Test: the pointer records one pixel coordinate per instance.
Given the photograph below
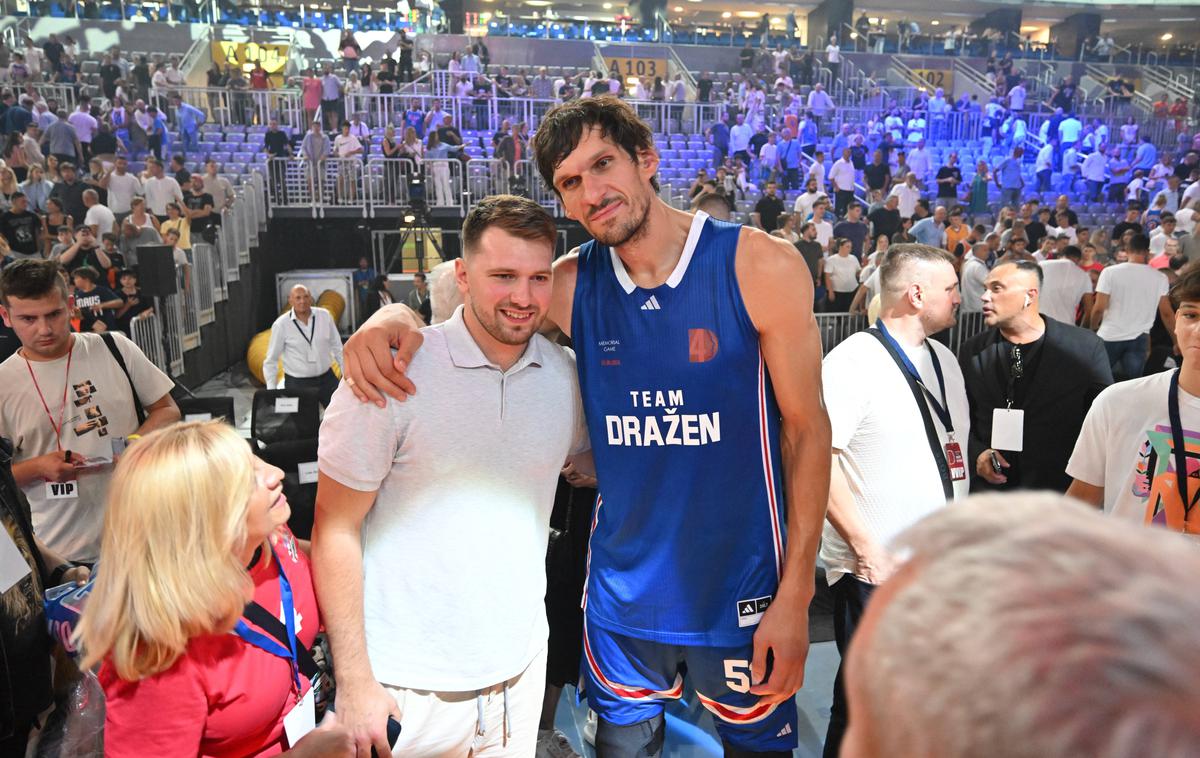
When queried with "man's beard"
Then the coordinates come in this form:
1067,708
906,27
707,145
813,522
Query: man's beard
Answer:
627,232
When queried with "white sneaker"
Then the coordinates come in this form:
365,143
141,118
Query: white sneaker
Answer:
552,743
589,728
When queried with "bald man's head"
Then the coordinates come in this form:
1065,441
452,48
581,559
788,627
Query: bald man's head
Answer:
301,300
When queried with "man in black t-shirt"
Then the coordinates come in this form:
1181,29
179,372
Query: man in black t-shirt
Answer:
97,304
767,209
276,141
180,172
200,210
878,174
704,87
810,250
886,220
949,177
1133,213
109,74
1035,230
21,228
853,229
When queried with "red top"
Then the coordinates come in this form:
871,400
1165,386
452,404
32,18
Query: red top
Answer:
223,697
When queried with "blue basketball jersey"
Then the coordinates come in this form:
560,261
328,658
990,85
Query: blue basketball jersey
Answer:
687,540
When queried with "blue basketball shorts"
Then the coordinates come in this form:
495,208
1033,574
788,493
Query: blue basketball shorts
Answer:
628,680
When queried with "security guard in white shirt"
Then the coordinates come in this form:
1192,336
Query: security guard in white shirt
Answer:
308,341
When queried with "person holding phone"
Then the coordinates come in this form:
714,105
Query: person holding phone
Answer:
204,613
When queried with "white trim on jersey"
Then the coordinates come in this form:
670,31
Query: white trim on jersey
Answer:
769,468
689,248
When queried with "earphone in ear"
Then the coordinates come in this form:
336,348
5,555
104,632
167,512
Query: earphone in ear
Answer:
1028,300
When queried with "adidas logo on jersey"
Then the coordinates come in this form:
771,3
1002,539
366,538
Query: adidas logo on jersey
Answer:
785,731
651,304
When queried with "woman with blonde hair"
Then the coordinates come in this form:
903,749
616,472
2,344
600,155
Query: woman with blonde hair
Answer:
8,187
36,188
411,147
195,543
180,223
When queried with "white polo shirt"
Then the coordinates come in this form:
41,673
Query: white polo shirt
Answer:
454,548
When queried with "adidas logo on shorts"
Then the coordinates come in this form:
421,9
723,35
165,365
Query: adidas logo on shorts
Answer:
785,731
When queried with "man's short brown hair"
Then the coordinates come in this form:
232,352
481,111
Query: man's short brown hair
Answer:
564,126
30,279
1186,288
519,216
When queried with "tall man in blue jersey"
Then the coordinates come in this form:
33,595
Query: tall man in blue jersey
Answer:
699,361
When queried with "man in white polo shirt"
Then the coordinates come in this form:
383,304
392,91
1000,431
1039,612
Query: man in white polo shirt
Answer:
433,514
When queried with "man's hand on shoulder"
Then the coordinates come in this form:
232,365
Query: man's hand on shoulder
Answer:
370,369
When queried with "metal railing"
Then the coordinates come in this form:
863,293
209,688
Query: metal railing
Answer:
189,305
390,184
226,107
146,331
204,284
172,327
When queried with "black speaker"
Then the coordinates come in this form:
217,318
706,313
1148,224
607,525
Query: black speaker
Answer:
156,270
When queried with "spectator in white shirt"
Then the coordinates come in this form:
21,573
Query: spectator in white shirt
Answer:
833,57
841,176
1171,193
817,169
806,200
99,217
1167,229
918,163
908,194
1128,295
1068,130
306,339
1066,287
819,103
1043,165
122,187
1017,97
973,277
85,125
824,228
1095,171
739,139
160,189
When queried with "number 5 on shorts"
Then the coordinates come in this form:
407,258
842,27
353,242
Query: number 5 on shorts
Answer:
737,675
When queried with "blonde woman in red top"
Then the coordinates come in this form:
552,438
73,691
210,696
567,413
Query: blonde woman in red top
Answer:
196,531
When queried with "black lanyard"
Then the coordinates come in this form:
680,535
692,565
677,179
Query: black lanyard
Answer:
311,332
931,436
942,409
1179,450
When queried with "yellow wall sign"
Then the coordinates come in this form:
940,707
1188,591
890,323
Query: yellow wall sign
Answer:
651,67
937,77
246,54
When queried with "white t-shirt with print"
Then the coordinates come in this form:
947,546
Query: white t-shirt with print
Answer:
99,408
885,454
1125,447
1134,291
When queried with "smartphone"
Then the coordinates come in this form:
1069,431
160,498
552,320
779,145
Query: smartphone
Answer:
996,463
393,734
